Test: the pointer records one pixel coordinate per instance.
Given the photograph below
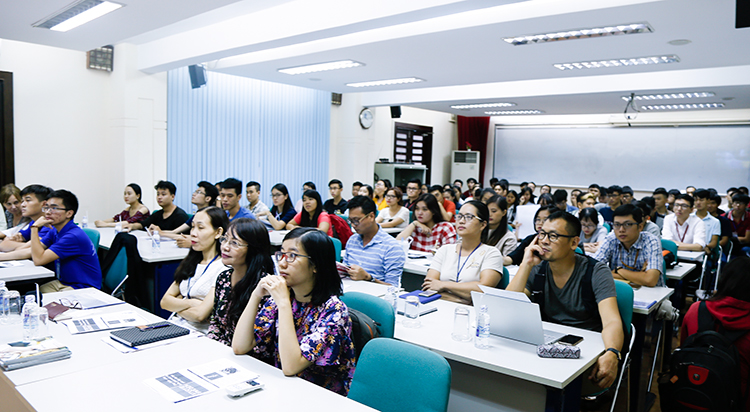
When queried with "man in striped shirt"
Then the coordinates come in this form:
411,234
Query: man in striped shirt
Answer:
372,255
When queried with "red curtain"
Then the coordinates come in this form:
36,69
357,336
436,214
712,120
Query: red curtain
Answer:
472,135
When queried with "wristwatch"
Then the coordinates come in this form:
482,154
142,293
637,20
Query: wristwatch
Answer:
617,270
616,352
372,279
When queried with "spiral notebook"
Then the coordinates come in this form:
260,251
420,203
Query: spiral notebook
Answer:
155,332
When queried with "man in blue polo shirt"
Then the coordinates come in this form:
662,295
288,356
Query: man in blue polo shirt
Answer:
372,255
76,262
230,194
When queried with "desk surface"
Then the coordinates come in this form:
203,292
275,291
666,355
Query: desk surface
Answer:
690,256
277,236
680,271
27,271
48,386
167,252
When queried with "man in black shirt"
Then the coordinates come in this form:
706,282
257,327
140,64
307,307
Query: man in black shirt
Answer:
336,204
170,217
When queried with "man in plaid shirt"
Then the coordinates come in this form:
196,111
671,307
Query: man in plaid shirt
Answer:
632,255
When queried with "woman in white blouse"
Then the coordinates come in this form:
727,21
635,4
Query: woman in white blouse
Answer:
191,295
460,268
395,215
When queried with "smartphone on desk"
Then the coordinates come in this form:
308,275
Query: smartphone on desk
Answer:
571,340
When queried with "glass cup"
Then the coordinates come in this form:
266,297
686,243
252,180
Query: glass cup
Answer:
411,312
461,325
15,305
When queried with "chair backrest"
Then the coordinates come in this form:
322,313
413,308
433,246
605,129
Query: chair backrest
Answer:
94,236
625,303
505,280
580,251
607,226
417,379
411,216
117,274
511,228
337,246
670,246
378,309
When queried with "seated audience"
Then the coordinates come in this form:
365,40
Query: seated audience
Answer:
366,190
336,204
627,195
371,254
355,188
190,298
739,218
561,201
424,189
545,189
594,190
585,200
471,183
255,205
412,193
592,234
603,200
561,292
394,215
305,187
649,226
690,190
170,217
66,243
660,206
512,199
726,226
713,226
485,195
379,194
312,214
282,210
10,198
136,211
483,264
16,246
671,196
500,189
630,253
685,229
526,197
303,328
545,199
230,194
539,217
203,197
614,200
498,234
429,230
244,249
447,208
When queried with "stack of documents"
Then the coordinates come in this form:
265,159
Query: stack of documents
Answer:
19,355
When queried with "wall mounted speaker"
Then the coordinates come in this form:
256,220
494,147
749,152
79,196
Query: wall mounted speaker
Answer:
395,112
197,75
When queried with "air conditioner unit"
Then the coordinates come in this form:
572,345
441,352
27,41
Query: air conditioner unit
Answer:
465,164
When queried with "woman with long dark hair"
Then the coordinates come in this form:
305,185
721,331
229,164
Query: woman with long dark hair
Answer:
379,196
282,211
499,235
429,230
190,298
512,199
244,249
136,212
592,234
303,328
312,214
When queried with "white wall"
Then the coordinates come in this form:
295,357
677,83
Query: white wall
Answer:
355,150
87,131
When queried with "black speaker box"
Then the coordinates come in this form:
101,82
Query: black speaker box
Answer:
197,75
395,112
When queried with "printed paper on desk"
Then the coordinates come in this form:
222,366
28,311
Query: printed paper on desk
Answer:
525,216
104,322
200,380
10,264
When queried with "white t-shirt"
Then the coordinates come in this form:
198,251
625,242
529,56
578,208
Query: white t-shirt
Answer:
197,287
692,231
446,261
403,213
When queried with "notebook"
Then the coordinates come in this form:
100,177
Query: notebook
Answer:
155,332
422,299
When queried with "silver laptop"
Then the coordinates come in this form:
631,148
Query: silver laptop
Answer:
514,316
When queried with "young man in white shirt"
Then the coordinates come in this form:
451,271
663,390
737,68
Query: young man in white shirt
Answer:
713,226
255,206
660,206
684,228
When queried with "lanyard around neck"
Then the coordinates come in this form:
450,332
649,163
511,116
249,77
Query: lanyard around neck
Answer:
459,270
202,273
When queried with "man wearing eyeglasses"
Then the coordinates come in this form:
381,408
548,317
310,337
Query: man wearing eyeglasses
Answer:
686,230
630,253
204,196
572,290
372,255
76,262
412,193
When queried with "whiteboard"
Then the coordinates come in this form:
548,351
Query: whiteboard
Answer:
643,158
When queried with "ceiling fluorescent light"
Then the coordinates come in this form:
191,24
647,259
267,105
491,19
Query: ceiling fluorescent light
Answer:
689,95
513,112
638,61
321,67
481,105
76,14
688,106
580,34
404,80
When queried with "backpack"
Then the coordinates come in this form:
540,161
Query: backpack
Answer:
704,373
669,259
364,329
341,229
587,292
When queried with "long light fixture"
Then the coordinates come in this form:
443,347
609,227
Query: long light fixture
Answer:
481,105
632,28
321,67
668,96
687,106
513,112
76,14
404,80
637,61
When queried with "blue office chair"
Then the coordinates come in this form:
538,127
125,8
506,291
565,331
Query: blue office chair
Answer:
607,226
511,228
337,246
670,246
505,280
417,379
94,236
114,279
411,216
378,309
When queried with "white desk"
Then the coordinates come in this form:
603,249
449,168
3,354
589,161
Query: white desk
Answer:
647,294
393,230
97,377
690,256
167,252
27,271
277,236
418,266
680,271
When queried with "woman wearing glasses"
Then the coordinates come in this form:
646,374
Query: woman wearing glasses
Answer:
458,269
282,211
303,327
429,230
190,298
245,250
312,214
591,233
395,215
136,212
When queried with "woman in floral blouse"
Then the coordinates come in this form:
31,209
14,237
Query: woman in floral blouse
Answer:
303,327
245,249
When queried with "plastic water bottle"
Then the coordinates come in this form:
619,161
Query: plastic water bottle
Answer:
85,221
156,242
30,319
390,297
4,303
482,340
